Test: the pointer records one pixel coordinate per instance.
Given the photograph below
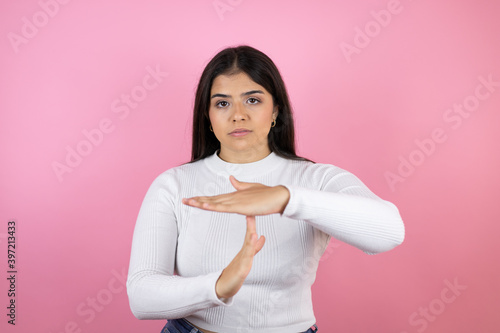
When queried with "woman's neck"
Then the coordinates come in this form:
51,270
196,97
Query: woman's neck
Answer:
240,157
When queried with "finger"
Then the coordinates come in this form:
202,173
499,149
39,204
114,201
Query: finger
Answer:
190,201
260,244
248,249
236,183
205,202
250,237
255,242
221,198
211,205
239,185
194,202
251,225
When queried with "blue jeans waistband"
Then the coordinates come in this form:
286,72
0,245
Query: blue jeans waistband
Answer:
183,326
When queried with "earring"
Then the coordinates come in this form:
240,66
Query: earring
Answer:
211,129
274,123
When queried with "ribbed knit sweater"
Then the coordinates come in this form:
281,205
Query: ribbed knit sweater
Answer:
178,252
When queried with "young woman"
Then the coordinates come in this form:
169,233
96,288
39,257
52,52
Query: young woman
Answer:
197,259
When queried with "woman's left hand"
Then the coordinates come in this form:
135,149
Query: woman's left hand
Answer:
250,199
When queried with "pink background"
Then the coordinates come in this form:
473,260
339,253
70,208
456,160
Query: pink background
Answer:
364,92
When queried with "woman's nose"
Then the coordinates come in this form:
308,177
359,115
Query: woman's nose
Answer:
239,112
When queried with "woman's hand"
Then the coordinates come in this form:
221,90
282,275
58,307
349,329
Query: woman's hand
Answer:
250,199
233,276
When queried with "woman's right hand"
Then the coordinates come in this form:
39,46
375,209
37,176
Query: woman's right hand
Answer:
233,276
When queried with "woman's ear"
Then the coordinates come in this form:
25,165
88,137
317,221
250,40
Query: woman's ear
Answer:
275,112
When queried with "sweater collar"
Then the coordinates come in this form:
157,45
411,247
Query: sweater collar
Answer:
243,170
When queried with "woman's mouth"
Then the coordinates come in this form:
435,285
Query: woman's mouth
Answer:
239,132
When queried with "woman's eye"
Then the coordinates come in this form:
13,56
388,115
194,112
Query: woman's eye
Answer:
221,104
253,100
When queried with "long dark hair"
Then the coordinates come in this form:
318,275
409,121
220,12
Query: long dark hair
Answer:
263,71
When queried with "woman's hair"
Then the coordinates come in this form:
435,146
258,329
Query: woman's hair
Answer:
261,69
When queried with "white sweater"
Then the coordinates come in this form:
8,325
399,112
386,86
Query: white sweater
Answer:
178,252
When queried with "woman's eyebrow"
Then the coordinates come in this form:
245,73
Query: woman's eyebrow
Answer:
251,92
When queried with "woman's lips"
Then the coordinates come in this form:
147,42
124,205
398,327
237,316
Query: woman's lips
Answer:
240,132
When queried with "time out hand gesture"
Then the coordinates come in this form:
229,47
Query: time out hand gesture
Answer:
233,276
249,199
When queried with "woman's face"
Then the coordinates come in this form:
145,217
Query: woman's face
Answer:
241,113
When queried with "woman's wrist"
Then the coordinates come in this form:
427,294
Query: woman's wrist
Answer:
286,197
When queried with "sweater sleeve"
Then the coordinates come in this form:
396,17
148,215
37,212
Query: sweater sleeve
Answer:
154,291
344,208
